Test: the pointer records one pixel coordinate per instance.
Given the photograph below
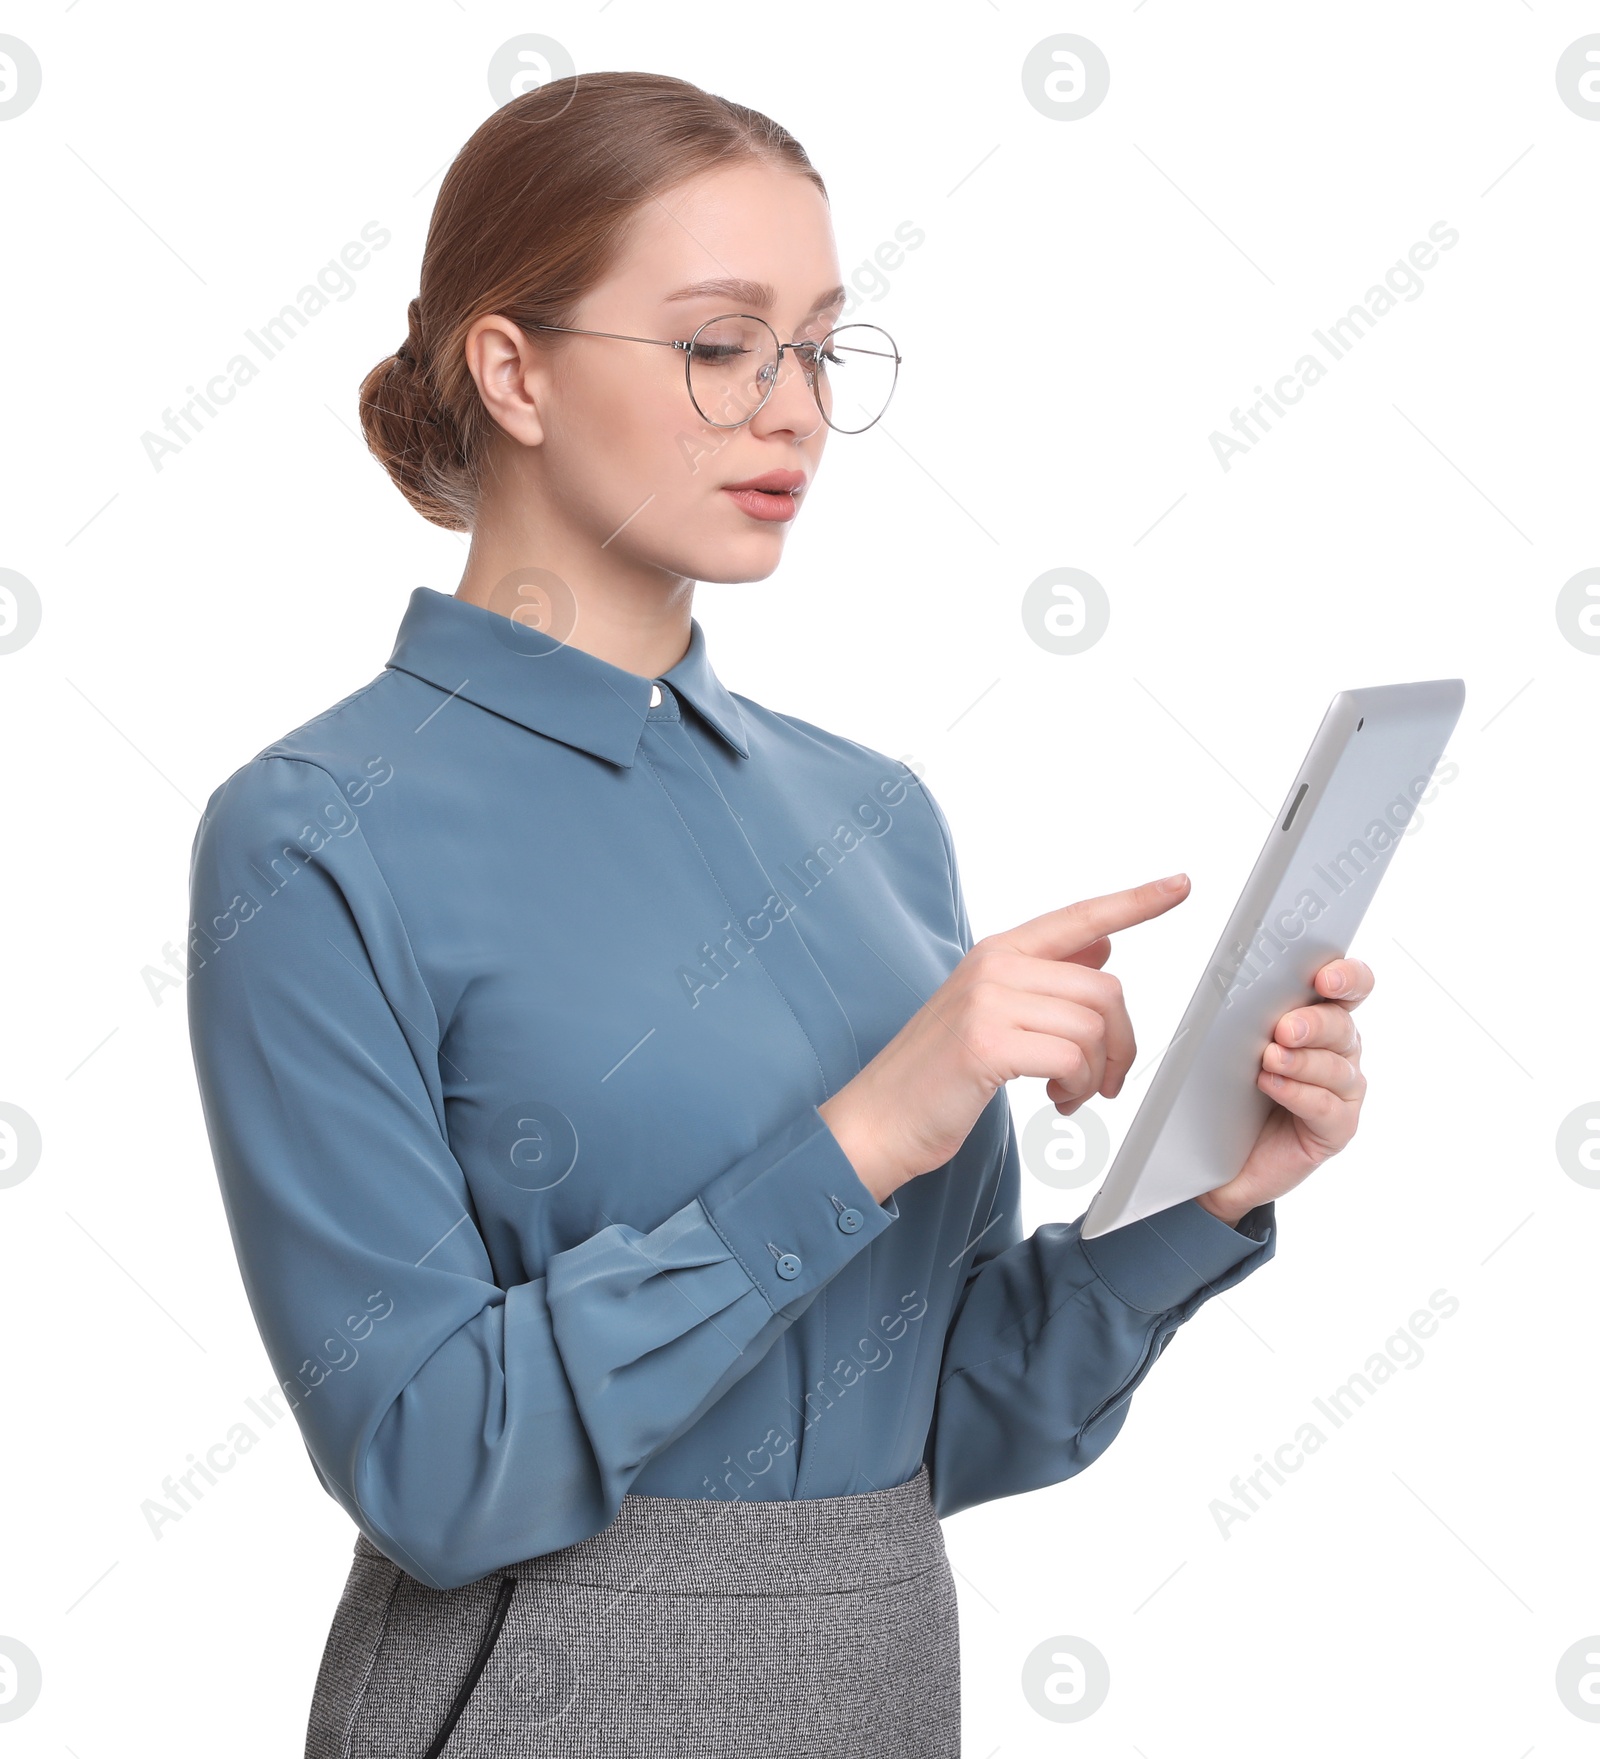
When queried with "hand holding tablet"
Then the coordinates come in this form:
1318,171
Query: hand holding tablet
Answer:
1033,1000
1312,1068
1208,1123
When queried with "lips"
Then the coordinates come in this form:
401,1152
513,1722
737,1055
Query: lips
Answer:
772,498
773,482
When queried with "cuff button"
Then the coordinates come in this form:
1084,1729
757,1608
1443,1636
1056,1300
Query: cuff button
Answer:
788,1267
849,1220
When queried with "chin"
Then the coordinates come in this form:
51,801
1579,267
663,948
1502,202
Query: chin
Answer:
724,564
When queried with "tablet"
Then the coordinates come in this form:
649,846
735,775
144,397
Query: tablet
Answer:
1329,845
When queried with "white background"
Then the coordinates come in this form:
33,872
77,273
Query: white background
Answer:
1092,299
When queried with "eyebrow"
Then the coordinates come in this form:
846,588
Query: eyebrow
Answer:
757,296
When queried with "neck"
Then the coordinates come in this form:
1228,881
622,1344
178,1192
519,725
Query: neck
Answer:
627,612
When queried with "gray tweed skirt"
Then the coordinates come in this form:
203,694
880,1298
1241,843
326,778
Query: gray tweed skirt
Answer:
719,1629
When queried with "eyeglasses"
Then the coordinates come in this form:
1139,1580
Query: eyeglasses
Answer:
731,366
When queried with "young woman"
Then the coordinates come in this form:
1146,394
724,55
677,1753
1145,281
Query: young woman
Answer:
607,1093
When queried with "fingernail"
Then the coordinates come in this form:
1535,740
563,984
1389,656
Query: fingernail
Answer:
1174,882
1298,1030
1335,981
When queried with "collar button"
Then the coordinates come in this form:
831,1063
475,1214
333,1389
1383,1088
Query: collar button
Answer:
655,696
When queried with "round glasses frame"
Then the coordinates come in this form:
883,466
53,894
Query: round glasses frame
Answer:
809,355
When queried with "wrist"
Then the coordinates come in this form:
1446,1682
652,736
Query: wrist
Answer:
872,1168
1231,1213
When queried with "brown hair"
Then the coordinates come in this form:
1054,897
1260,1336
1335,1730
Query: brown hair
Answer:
529,218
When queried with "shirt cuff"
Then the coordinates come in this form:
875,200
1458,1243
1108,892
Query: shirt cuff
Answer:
794,1211
1168,1258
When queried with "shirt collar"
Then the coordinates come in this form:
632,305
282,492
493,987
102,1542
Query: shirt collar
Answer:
547,685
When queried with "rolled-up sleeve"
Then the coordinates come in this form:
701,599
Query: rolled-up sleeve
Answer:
463,1425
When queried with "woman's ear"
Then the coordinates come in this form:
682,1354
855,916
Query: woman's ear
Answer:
511,377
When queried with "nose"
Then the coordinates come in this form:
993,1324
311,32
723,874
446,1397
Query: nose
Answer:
792,405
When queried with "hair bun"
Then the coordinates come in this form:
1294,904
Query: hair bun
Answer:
410,432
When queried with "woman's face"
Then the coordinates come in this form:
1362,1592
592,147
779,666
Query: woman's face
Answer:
612,446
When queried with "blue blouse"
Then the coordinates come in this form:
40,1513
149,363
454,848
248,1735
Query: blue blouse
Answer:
516,982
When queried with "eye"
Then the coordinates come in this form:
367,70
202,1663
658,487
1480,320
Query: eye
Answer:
716,353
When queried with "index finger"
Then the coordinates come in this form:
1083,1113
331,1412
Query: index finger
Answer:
1345,980
1058,934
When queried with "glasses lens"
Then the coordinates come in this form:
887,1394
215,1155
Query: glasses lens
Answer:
856,369
732,363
